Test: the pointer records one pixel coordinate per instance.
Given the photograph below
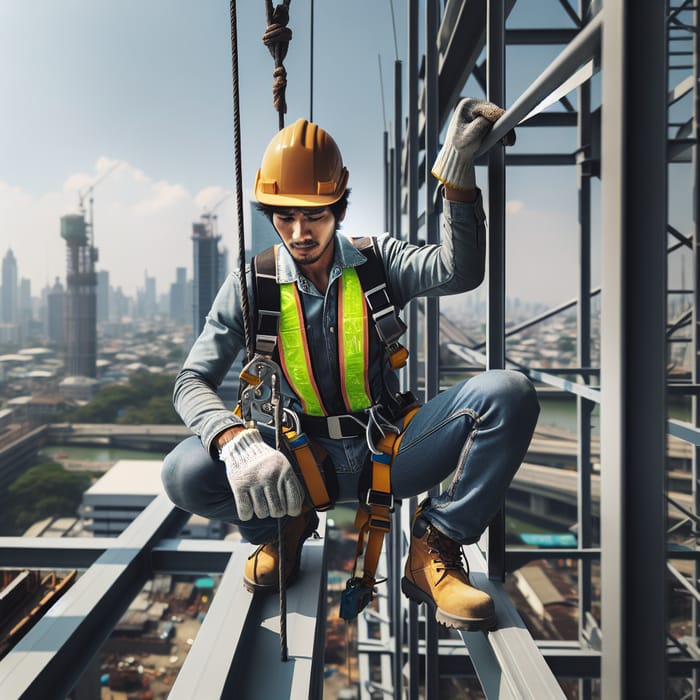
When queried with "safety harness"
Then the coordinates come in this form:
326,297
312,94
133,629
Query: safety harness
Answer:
280,337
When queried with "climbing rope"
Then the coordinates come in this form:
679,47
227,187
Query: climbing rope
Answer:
245,304
277,37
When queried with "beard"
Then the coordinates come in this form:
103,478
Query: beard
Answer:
312,258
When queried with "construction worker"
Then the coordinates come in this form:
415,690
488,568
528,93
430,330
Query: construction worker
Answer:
345,392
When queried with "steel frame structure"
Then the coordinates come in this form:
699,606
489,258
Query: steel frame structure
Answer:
236,652
629,68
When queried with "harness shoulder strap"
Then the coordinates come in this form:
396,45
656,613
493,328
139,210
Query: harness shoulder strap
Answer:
385,315
267,301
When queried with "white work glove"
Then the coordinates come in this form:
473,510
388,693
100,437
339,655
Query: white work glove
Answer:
261,478
471,121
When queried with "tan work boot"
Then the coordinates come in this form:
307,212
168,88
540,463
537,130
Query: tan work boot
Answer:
435,575
260,572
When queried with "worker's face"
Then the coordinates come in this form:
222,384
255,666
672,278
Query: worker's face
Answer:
307,233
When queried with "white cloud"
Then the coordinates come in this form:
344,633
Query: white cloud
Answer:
140,225
514,206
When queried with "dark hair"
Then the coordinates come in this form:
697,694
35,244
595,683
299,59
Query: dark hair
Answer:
337,208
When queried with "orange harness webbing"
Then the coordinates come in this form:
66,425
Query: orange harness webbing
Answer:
373,521
310,467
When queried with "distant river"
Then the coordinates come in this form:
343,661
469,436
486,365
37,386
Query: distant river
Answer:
561,413
96,454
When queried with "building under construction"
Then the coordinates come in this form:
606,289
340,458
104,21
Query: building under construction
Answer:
624,85
80,301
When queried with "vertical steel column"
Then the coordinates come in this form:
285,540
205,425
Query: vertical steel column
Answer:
432,232
584,407
395,554
633,415
496,323
398,118
695,338
387,176
412,185
431,306
392,194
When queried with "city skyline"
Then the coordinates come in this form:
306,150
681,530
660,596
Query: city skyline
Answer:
148,89
142,111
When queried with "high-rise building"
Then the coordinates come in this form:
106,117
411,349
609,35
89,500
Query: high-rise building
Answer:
25,316
103,295
9,288
119,303
81,298
150,304
262,232
180,305
207,270
55,322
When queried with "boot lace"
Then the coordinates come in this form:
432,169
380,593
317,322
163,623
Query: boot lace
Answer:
449,553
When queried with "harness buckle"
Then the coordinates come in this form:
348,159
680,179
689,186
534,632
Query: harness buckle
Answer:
380,498
335,428
398,355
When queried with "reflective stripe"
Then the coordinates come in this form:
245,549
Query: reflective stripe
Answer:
294,352
353,347
353,342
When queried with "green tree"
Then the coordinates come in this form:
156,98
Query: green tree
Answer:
44,490
157,410
147,398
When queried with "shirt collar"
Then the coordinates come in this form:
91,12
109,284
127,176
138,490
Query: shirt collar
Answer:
345,255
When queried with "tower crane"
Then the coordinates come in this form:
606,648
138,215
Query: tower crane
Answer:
82,194
209,217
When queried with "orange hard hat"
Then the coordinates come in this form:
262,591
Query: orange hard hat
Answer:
301,166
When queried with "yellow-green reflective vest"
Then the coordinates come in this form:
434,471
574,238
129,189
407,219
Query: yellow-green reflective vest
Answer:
353,347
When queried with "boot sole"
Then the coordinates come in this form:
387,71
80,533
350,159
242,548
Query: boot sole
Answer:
474,624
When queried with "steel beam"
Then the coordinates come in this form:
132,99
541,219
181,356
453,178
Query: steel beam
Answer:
208,663
48,661
52,553
256,670
507,661
582,49
460,40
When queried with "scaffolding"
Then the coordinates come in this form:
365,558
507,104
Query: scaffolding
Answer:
622,70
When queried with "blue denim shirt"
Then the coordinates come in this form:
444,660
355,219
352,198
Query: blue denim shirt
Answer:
454,265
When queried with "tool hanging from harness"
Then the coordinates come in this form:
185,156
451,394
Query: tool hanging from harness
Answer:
373,521
280,333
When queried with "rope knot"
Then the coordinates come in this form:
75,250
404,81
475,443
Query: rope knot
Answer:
279,86
277,37
277,34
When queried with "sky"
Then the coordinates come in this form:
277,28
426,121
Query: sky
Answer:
143,91
134,100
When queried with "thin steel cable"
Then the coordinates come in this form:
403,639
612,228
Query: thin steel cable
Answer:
245,304
281,567
283,591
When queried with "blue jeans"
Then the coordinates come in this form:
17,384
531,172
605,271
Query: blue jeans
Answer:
477,430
